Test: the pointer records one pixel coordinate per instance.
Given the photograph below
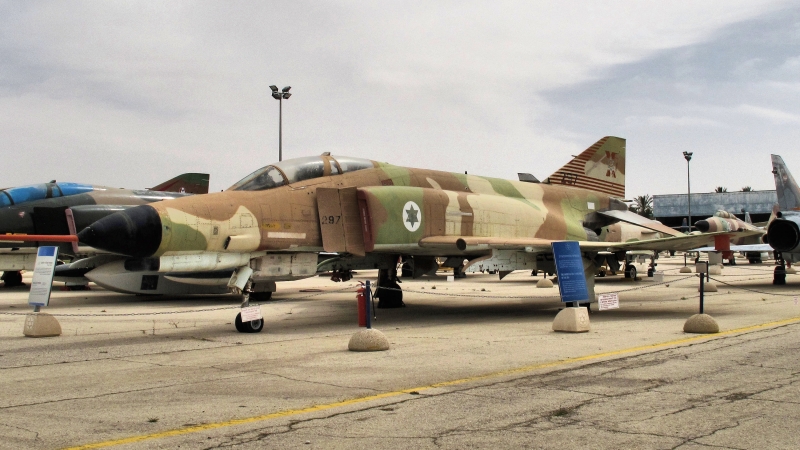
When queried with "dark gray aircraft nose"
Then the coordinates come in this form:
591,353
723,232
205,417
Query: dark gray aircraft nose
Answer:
133,232
702,226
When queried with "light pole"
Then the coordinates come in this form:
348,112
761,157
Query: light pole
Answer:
688,156
279,96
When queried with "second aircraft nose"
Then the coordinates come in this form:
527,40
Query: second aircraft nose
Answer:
133,232
702,225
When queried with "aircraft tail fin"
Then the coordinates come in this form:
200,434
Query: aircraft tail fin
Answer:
190,183
599,168
785,186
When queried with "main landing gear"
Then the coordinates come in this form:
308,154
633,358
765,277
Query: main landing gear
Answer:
253,326
12,279
630,271
389,293
779,278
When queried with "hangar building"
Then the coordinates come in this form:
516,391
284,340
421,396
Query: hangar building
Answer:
671,209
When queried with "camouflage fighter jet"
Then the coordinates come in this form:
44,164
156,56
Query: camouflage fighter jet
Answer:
274,224
752,245
55,208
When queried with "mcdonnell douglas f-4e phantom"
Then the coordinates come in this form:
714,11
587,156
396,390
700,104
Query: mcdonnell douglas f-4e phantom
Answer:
273,224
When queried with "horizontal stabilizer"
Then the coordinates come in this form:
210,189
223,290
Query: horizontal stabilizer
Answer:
635,219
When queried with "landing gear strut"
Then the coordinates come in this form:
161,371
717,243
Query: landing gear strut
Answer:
253,326
389,293
779,277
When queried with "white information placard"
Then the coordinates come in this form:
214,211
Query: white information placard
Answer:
251,313
43,271
608,301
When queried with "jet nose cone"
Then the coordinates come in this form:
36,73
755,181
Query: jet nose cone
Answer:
133,232
702,225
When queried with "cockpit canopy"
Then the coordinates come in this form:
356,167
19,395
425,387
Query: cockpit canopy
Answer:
299,169
23,194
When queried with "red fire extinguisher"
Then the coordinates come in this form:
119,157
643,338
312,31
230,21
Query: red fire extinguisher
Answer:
362,306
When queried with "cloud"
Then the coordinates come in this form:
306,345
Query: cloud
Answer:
139,91
769,113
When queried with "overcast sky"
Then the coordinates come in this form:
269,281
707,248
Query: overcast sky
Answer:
129,94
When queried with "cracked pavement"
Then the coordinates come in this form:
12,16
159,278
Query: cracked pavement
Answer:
114,378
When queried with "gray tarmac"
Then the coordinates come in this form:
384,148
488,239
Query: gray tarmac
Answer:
473,364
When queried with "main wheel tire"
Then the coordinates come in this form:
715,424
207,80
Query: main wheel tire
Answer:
254,326
630,272
12,279
391,297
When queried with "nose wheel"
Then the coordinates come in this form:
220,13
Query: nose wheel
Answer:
254,326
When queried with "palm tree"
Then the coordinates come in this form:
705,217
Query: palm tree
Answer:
643,206
720,189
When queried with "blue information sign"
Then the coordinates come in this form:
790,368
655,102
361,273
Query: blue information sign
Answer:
569,268
42,283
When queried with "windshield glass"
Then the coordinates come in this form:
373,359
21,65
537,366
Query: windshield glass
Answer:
349,164
264,178
299,169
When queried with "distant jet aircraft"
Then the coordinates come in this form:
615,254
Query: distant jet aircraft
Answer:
53,208
752,245
783,233
273,224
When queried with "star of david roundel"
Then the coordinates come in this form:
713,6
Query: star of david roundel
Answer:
412,216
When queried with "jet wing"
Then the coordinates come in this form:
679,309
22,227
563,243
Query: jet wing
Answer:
471,244
740,248
635,219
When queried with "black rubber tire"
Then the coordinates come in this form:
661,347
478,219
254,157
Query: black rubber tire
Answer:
390,298
630,272
254,326
12,279
650,272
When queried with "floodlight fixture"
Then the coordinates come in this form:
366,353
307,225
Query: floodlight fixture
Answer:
280,96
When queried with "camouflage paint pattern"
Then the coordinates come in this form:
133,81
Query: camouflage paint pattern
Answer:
785,186
402,206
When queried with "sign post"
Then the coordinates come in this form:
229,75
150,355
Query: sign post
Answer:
569,269
572,287
39,324
701,323
43,272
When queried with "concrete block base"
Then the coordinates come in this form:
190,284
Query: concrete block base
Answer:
701,324
708,286
544,283
686,269
572,320
41,325
368,340
791,270
714,270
